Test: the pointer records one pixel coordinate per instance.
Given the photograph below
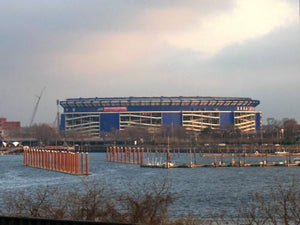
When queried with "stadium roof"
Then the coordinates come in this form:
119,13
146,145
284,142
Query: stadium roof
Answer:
155,101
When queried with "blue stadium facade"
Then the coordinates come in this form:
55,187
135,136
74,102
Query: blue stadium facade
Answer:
94,115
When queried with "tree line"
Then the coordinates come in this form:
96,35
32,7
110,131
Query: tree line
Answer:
285,131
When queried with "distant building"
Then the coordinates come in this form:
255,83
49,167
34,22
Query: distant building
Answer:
9,127
93,115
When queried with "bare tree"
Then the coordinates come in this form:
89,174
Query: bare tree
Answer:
44,133
148,204
280,206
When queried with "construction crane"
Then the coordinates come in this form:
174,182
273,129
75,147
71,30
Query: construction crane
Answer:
36,106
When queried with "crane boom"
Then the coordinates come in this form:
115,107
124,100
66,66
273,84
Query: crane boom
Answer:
36,107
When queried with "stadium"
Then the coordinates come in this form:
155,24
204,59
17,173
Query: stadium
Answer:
96,115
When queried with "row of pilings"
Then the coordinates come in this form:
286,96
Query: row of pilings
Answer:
125,155
60,161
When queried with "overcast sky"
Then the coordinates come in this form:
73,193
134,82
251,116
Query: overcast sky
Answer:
114,48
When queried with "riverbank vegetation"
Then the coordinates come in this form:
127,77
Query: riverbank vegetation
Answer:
148,205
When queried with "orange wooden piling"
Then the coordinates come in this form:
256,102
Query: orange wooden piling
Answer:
71,163
111,154
50,160
82,163
142,157
39,158
74,163
33,158
61,161
138,156
36,158
65,161
26,157
29,156
58,161
87,163
77,169
118,152
45,159
55,161
129,156
42,159
134,152
122,158
114,154
125,154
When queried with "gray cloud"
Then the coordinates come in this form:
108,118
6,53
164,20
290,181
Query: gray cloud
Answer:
36,35
277,49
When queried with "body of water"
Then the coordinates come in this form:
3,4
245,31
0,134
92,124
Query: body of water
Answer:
201,191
